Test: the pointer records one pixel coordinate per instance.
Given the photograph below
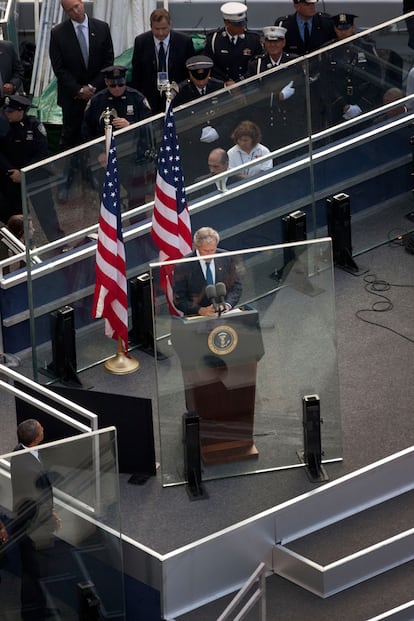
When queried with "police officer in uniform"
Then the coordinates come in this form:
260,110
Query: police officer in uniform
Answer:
199,81
232,46
25,143
281,108
351,75
204,125
126,106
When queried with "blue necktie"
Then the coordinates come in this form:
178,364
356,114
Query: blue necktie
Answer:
162,65
82,43
209,275
306,36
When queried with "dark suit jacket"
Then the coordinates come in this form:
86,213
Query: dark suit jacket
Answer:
10,66
190,284
32,499
67,60
145,68
322,33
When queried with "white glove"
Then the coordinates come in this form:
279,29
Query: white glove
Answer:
352,112
288,90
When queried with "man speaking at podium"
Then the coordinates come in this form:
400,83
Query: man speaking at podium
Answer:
206,287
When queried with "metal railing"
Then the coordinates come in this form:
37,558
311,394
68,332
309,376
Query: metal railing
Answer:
257,581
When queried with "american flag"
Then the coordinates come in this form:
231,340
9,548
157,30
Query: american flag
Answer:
110,299
171,226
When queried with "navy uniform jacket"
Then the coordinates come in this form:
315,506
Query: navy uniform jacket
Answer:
188,91
11,68
131,105
230,61
281,121
25,143
321,34
67,60
190,284
264,63
351,74
145,65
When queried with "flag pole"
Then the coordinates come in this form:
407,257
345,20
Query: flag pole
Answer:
121,363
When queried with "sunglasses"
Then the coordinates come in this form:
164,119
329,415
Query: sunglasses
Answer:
117,82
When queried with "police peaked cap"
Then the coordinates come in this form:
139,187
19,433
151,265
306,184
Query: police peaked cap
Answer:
343,21
194,63
17,102
114,71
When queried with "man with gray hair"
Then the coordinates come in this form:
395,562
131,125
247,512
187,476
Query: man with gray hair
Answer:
191,279
80,47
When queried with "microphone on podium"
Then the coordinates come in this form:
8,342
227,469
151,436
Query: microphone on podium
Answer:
220,295
212,296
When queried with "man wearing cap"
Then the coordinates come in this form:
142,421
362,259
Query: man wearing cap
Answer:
351,74
126,106
11,70
25,143
280,109
80,48
307,30
232,46
199,82
159,56
205,127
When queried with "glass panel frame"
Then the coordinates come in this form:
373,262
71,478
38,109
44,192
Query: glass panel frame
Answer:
78,551
245,373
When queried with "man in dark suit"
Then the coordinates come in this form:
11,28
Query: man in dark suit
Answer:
307,30
11,70
34,519
79,49
159,56
191,279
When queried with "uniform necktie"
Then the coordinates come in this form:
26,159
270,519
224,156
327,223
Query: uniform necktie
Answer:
233,40
209,275
82,44
306,36
203,91
161,58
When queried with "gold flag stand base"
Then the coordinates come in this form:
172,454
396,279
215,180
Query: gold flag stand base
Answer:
121,364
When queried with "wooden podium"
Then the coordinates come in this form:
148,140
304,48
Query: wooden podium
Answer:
219,357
